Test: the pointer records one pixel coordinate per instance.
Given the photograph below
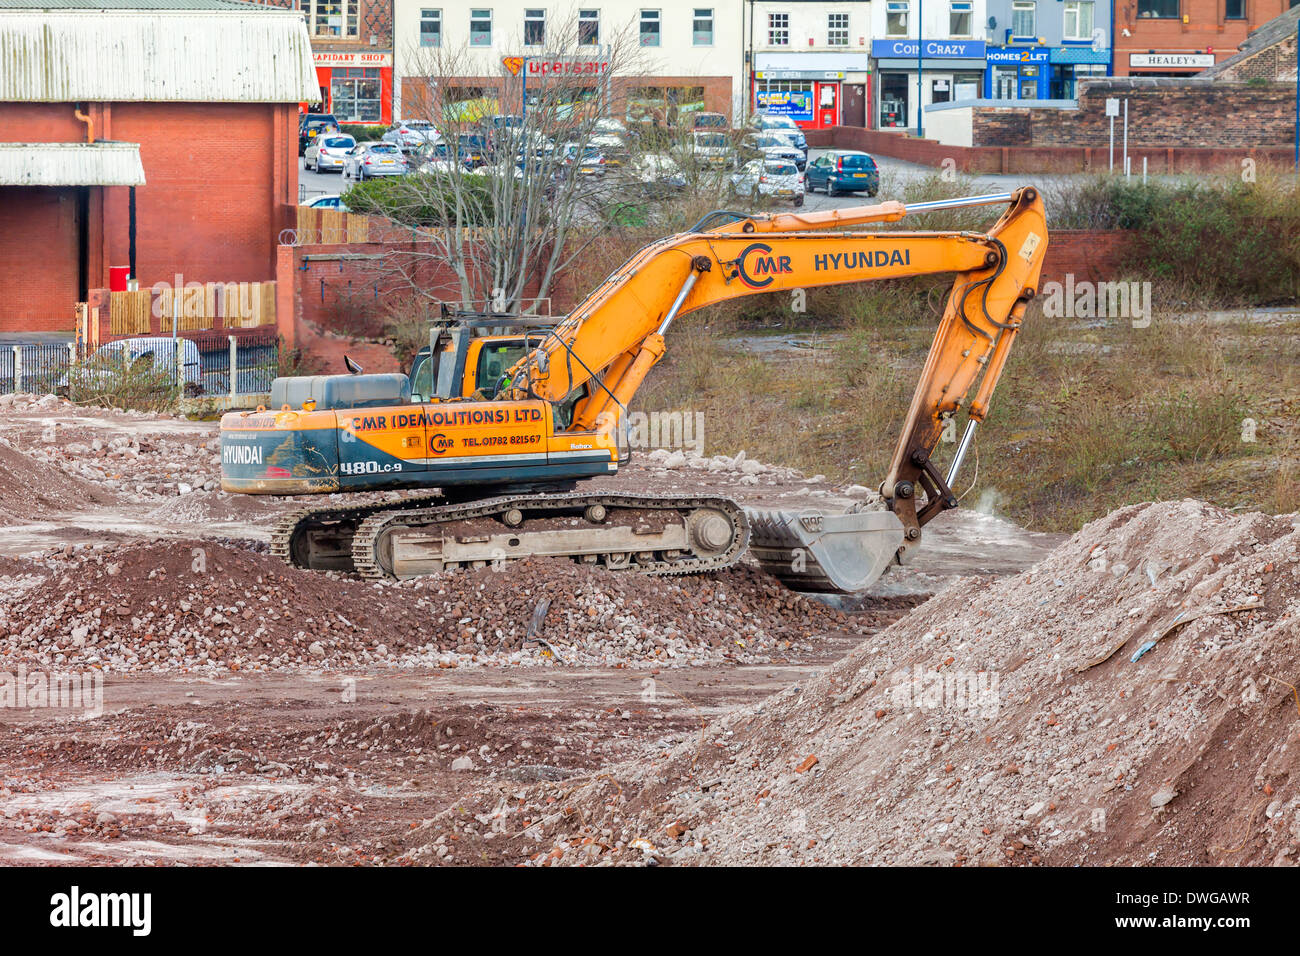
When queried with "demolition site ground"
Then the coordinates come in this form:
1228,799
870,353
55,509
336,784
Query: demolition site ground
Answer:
1124,695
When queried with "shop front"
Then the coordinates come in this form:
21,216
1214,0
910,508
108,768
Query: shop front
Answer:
1072,64
816,90
951,70
356,87
1171,63
1017,73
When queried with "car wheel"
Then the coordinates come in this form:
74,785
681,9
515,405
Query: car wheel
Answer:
798,201
830,189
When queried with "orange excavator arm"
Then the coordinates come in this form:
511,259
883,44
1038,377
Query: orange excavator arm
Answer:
616,334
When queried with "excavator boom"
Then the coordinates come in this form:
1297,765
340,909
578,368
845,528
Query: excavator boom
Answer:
500,453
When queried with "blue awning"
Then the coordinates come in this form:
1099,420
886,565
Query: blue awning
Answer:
1079,54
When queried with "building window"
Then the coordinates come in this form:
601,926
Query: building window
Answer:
430,28
333,18
837,29
1235,9
355,95
1022,19
480,28
702,27
778,29
1078,19
896,18
534,27
649,27
1158,8
588,28
959,17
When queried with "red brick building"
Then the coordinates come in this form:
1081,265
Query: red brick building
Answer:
1183,37
154,134
352,50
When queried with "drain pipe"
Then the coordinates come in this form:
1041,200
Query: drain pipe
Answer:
90,124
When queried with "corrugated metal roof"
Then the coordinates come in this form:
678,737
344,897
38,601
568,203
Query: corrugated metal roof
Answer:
246,53
70,164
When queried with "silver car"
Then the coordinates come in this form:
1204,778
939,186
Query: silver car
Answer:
327,151
369,160
408,135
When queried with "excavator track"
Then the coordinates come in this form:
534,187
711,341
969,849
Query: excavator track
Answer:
320,539
652,535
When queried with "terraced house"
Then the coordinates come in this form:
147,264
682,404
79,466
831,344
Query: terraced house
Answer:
659,60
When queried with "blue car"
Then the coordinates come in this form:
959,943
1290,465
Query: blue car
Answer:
843,171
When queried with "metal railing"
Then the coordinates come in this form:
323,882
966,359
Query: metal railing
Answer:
212,364
35,368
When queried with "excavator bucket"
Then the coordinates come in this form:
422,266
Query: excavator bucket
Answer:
809,551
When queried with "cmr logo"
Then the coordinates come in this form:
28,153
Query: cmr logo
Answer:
440,443
756,265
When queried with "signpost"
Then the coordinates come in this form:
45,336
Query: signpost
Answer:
1112,110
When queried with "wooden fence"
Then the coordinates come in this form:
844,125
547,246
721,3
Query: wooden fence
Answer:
229,305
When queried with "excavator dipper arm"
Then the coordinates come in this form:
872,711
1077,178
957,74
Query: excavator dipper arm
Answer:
617,333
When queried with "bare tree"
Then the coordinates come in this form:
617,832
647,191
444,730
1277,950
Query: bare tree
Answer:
527,163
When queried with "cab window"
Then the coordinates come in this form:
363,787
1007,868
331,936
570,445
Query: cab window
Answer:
493,362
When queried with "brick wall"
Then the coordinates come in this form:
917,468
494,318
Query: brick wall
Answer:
1274,62
1206,29
217,179
1087,254
38,257
1035,161
1161,112
350,288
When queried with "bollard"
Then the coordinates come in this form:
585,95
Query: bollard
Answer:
18,369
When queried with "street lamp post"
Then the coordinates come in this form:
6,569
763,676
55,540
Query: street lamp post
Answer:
920,85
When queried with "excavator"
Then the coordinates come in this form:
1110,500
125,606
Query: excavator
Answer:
503,415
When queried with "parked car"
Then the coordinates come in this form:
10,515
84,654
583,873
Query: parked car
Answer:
328,202
777,178
586,160
156,353
771,146
610,137
657,173
710,121
843,170
327,151
770,122
311,125
368,160
408,135
711,148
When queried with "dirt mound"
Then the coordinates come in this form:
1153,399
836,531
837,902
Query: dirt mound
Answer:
1128,700
203,604
28,488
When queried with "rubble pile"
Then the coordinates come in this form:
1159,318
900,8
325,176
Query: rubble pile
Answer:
199,604
1128,700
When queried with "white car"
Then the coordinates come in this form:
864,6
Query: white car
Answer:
328,202
158,353
657,172
328,151
411,134
368,160
777,178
